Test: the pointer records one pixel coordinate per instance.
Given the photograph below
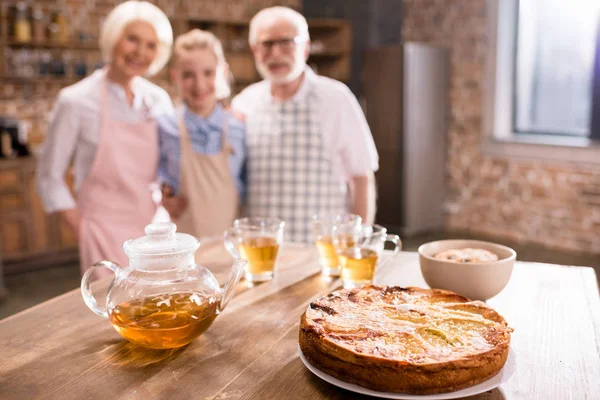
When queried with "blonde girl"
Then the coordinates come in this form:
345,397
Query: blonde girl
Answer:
202,145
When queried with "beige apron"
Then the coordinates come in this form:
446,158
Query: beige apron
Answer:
206,181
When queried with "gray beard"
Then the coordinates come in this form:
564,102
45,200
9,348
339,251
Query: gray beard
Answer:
292,76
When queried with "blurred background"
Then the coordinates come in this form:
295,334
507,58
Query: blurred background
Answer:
486,116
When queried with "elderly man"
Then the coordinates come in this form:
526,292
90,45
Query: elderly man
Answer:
310,149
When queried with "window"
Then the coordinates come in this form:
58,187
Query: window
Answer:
556,46
542,94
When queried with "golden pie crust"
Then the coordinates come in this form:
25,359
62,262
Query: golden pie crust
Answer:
409,340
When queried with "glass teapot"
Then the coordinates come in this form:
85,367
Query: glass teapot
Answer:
163,299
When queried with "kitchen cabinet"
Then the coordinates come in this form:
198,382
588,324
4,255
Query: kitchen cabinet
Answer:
28,236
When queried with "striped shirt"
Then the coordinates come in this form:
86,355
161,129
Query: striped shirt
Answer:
205,135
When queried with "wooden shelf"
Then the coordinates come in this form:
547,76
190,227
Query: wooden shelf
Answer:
329,53
332,36
239,24
48,44
39,79
320,23
214,20
327,23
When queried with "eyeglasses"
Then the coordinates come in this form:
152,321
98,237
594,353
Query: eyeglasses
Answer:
285,44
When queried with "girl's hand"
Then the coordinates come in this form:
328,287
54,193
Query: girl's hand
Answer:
235,113
175,205
238,115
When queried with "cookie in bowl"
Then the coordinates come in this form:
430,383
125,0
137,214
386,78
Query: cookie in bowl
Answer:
467,255
466,266
405,340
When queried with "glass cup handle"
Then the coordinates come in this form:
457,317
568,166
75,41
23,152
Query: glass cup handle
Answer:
397,247
229,237
86,290
234,277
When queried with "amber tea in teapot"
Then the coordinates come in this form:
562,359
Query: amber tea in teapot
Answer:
164,321
163,299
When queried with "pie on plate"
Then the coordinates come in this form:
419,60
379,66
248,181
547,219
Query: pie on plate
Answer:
485,386
405,340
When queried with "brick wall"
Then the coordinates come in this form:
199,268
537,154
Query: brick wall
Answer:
32,101
554,204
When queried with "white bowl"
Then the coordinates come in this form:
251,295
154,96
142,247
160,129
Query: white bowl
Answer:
477,281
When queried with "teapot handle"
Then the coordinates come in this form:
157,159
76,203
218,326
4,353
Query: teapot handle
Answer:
86,290
234,277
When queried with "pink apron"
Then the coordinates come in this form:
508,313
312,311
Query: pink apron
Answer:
115,200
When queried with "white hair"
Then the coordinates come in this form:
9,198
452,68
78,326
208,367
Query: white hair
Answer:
278,13
131,11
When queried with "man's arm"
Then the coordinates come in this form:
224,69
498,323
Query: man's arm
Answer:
362,189
352,138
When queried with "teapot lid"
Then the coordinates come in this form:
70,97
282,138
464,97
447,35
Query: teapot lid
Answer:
161,238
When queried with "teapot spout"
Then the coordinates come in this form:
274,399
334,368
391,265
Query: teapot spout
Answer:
234,277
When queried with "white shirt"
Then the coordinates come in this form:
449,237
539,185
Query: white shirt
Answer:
74,131
343,124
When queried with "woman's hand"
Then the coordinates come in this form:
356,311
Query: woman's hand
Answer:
175,205
71,218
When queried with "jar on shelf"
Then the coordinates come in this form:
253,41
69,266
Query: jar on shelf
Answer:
19,62
22,25
6,149
27,68
45,63
38,25
80,68
5,13
67,61
59,28
9,62
57,66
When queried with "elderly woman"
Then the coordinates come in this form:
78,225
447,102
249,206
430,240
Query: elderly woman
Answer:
106,125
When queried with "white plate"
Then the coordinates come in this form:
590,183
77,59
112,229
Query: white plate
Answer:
496,380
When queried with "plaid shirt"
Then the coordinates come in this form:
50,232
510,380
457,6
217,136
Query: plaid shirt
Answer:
205,135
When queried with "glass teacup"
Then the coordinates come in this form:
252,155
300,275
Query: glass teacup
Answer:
256,240
360,260
347,226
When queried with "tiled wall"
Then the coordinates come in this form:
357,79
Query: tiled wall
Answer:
554,204
32,102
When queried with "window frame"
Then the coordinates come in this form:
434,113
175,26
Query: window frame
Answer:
499,136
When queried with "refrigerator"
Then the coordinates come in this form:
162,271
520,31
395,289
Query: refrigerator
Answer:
405,95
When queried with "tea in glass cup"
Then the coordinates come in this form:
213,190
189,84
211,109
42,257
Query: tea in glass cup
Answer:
346,225
256,240
360,261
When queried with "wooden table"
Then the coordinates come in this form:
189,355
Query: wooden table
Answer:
61,350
